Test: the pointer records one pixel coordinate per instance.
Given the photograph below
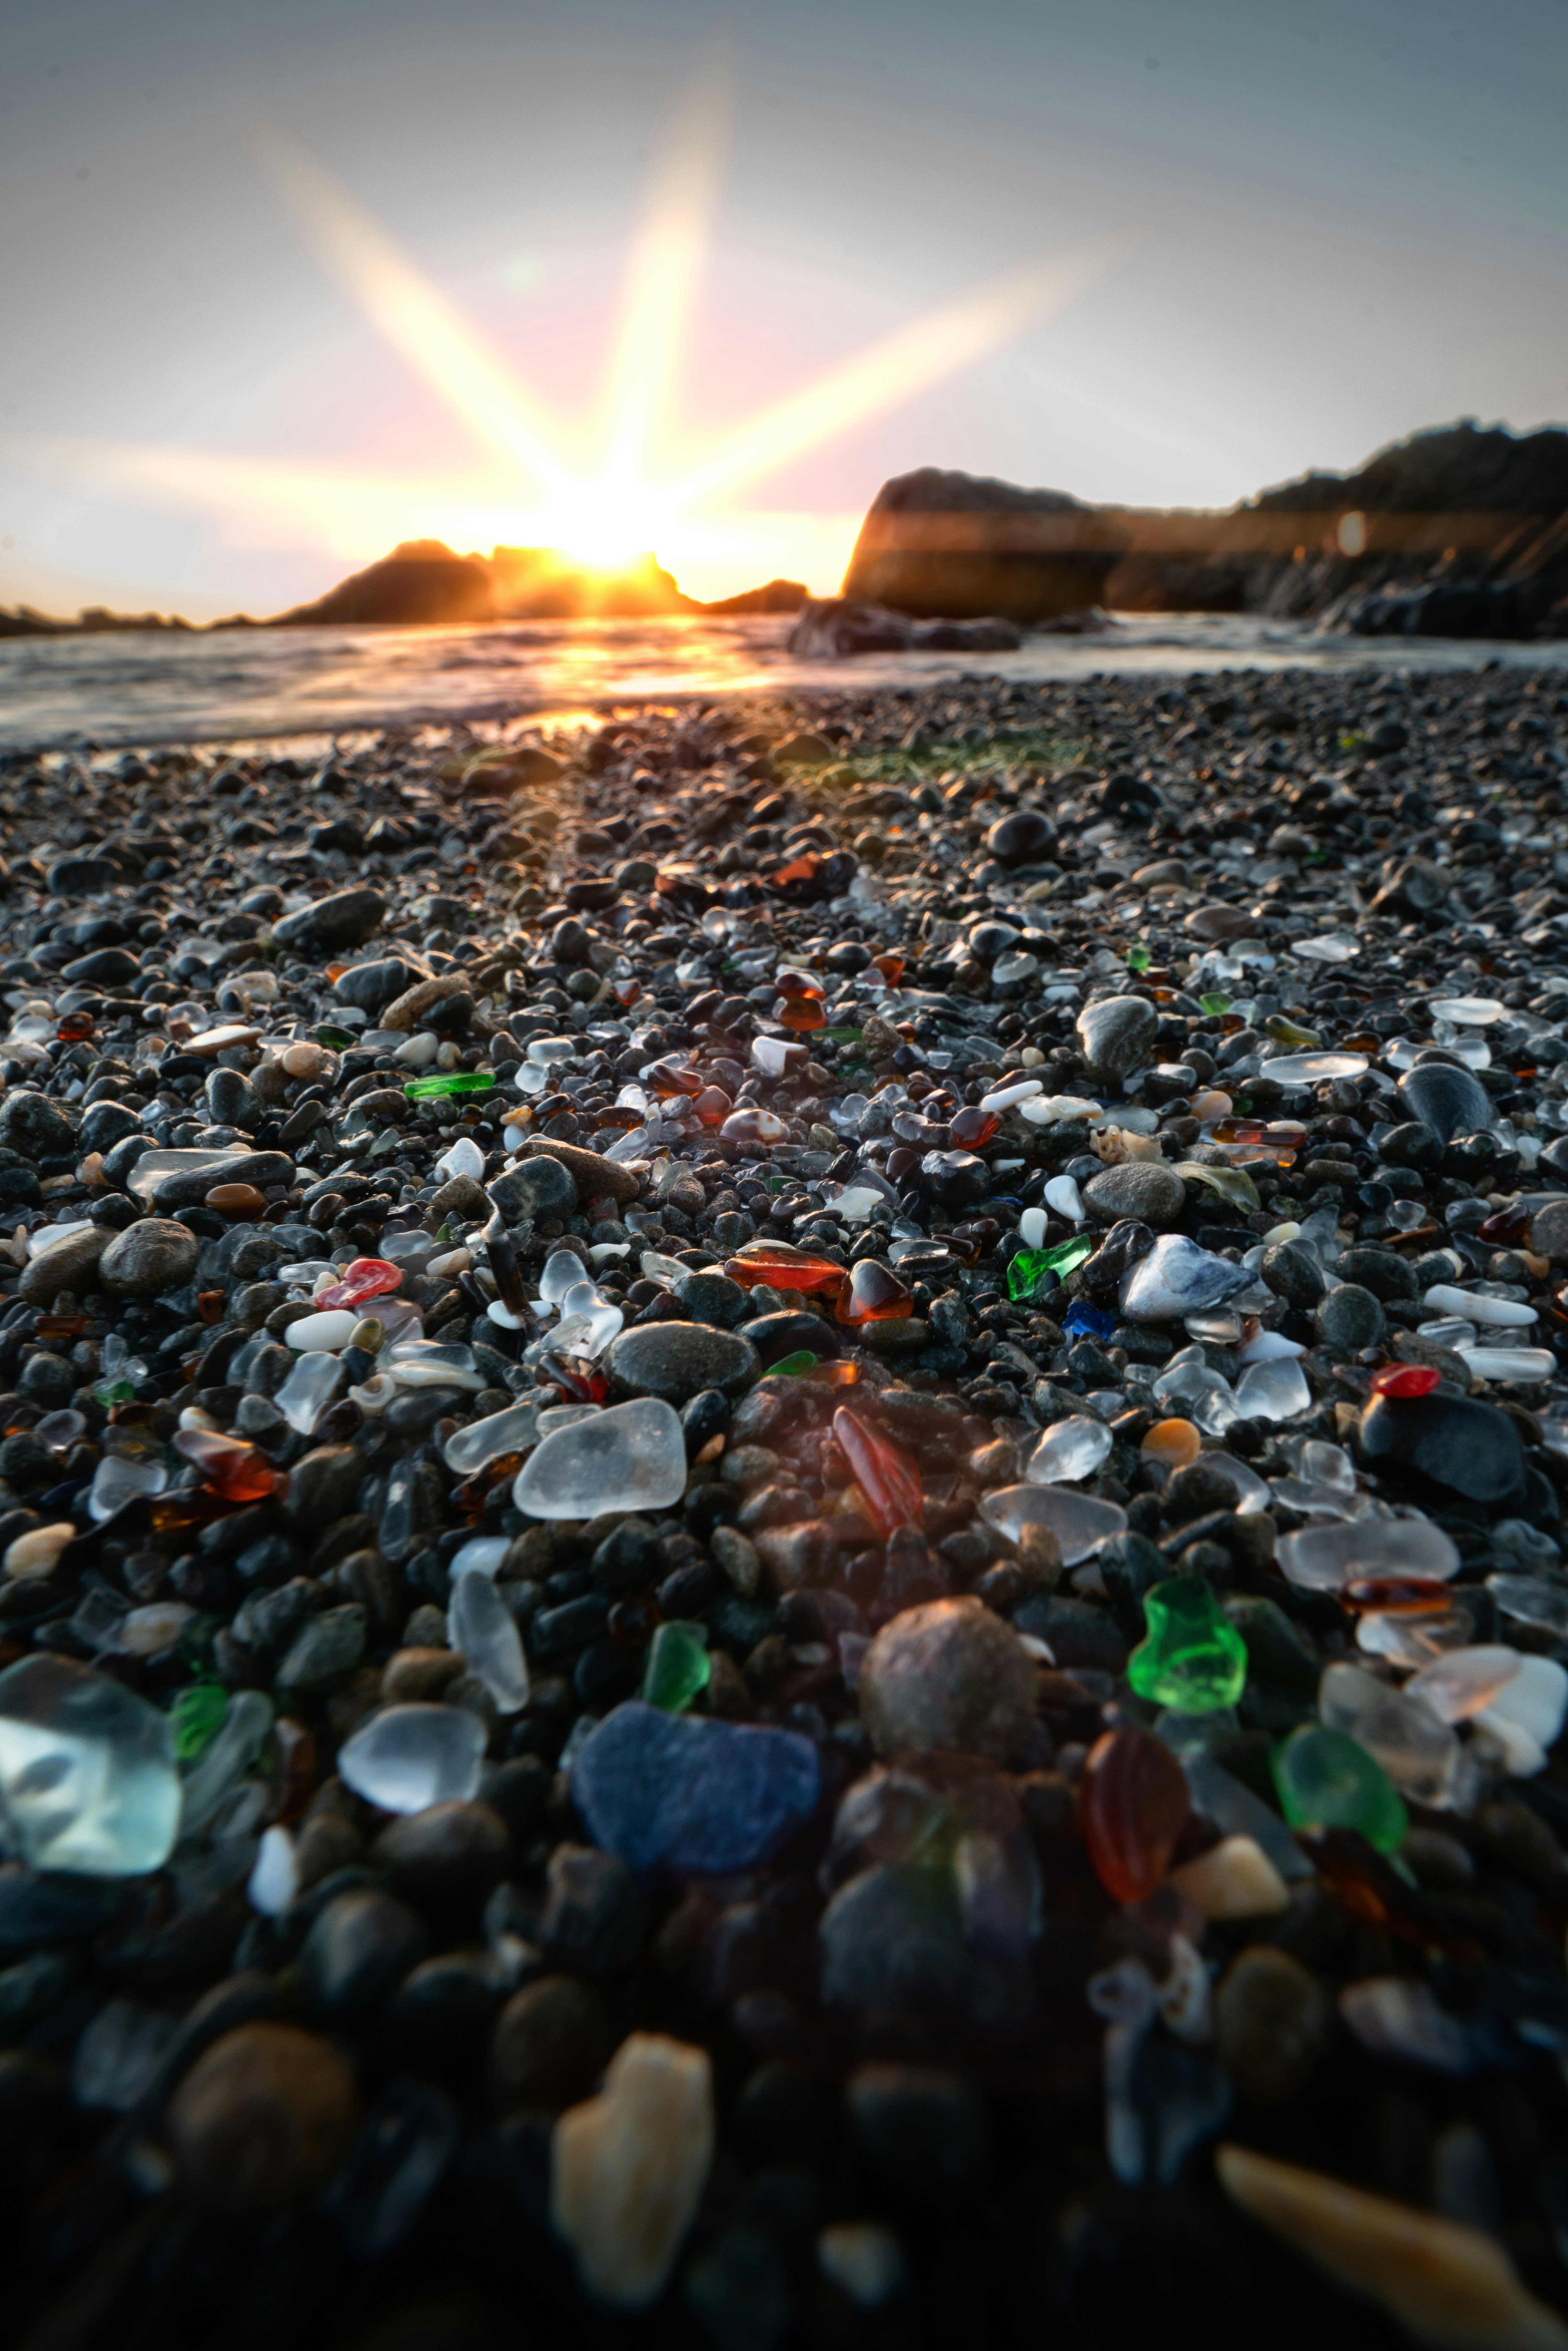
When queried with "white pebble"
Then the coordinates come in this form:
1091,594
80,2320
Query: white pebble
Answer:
864,2260
275,1880
35,1553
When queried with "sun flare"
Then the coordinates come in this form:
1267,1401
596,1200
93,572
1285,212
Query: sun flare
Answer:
532,488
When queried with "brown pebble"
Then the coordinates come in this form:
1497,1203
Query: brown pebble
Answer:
234,1200
550,2045
265,2116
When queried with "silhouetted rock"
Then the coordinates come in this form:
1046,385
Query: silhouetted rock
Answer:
959,547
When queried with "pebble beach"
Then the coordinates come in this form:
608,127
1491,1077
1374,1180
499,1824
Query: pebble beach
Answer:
781,1522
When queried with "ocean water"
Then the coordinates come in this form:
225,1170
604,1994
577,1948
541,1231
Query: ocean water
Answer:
125,688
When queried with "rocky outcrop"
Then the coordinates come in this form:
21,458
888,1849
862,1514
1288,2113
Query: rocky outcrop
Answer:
1456,533
941,546
835,628
420,584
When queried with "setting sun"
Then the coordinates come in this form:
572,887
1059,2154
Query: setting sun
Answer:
623,487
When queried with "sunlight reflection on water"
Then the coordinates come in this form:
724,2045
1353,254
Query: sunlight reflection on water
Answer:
134,688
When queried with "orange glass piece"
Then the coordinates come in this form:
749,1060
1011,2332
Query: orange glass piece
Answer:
193,1506
835,1376
1133,1806
74,1027
297,1767
237,1472
60,1326
800,868
972,1127
210,1304
1397,1595
890,967
800,1014
888,1480
1173,1442
874,1295
670,1078
626,991
751,1124
784,1266
367,1277
795,984
712,1106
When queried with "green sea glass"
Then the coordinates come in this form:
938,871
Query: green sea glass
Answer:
1137,958
792,1367
196,1717
450,1081
1194,1658
1327,1780
678,1668
1214,1005
1027,1274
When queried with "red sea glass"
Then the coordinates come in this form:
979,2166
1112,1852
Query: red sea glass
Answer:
1406,1380
1510,1225
785,1268
874,1295
577,1380
74,1027
1133,1806
367,1277
712,1106
236,1471
887,1478
890,967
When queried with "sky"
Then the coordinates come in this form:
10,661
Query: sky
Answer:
283,281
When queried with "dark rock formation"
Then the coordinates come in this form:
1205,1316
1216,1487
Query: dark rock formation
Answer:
958,547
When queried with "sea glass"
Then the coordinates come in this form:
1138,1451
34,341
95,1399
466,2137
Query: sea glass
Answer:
118,1480
1327,1780
87,1781
313,1384
247,1720
754,1127
407,1757
798,1366
239,1472
1178,1278
973,1128
482,1627
630,1458
450,1081
367,1277
489,1439
678,1668
1404,1380
1070,1451
1415,1747
887,1478
1326,1559
1133,1806
195,1718
1465,1680
783,1267
1079,1523
1193,1659
873,1294
1033,1272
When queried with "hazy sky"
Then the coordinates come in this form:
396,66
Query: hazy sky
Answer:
1339,222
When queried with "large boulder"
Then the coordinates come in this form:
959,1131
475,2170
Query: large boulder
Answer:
956,545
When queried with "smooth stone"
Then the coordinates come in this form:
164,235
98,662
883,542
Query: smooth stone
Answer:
534,1187
1117,1033
150,1255
263,2119
1349,1319
34,1127
1274,2023
548,2045
631,1457
1470,1448
1549,1231
330,1646
1145,1188
1175,1279
1021,835
68,1265
949,1674
714,1298
1382,1271
105,1124
690,1792
1442,2282
445,1859
342,920
321,1485
1448,1099
676,1361
596,1178
628,2169
1292,1273
372,986
791,1329
361,1944
186,1187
